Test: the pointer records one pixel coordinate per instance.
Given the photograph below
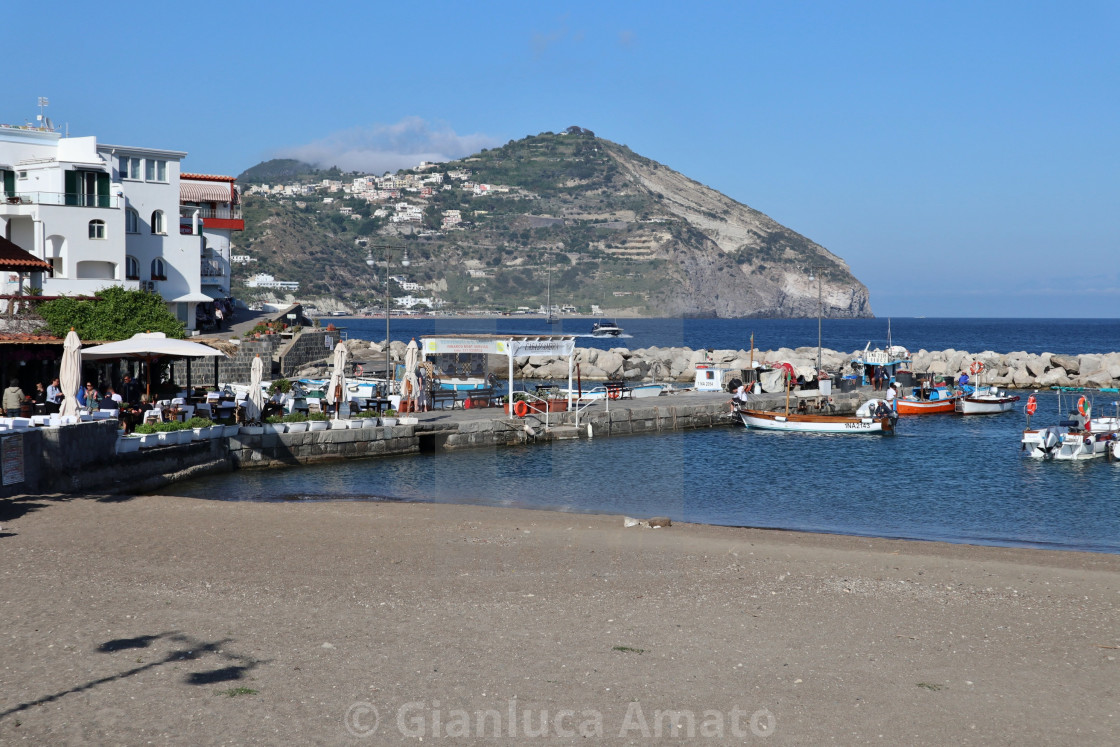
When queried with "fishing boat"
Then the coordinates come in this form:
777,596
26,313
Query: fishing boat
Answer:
804,423
984,400
605,329
873,417
939,399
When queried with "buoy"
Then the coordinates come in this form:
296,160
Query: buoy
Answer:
521,409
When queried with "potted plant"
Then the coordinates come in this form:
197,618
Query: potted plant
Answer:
274,424
369,418
317,421
128,444
200,427
230,429
148,435
389,418
296,422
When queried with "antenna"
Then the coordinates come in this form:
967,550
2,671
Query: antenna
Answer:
43,120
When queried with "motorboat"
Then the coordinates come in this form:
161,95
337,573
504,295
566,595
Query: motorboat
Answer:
939,399
986,401
604,391
605,329
1077,438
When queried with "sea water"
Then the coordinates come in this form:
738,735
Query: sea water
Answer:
1061,336
941,477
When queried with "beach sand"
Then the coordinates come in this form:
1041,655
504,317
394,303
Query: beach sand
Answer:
184,621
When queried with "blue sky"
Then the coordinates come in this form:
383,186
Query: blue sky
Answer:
961,157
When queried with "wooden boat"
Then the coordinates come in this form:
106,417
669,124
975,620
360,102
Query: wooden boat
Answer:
928,402
872,417
795,422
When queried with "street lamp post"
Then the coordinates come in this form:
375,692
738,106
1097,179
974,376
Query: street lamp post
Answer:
388,347
817,271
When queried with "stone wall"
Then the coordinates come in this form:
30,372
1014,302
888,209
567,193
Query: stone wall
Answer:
309,345
285,449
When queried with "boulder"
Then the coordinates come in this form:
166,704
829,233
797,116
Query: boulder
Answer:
611,362
1021,378
1054,377
1089,364
1068,362
1037,366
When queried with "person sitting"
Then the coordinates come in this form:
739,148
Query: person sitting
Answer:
107,403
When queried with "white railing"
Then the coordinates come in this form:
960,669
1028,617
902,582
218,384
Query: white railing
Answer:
62,198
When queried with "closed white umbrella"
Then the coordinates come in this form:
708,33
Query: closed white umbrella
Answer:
254,406
336,389
70,376
411,358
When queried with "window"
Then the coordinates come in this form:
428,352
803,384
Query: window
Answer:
97,229
157,222
156,170
130,168
158,272
131,268
131,221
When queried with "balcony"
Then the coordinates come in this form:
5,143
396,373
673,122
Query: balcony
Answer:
213,271
61,198
225,212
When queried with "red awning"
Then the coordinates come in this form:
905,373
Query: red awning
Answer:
15,259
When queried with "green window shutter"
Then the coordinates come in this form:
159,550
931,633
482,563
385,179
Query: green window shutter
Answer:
103,190
10,182
71,188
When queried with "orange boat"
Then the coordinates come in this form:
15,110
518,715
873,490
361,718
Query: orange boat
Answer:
938,400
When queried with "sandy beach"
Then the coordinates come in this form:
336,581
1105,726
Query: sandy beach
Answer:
172,620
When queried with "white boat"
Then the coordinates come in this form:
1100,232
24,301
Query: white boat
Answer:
986,401
795,422
605,329
642,391
1079,437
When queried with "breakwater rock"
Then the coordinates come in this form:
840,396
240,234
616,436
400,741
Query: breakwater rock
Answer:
1016,370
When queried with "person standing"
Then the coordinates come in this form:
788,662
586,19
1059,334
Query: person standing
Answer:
130,390
13,399
890,396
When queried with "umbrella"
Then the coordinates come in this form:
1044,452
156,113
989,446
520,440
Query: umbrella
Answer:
411,358
70,377
151,345
255,404
337,386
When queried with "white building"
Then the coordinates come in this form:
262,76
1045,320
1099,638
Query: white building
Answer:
106,215
264,280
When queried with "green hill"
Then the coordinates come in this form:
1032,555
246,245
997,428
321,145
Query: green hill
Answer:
620,231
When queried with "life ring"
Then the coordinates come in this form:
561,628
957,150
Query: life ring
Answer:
467,403
358,370
976,367
1084,407
613,393
520,409
1032,405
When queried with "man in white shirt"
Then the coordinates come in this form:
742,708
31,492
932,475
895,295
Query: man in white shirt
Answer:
890,395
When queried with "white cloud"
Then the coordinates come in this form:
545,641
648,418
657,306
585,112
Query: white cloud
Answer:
382,148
